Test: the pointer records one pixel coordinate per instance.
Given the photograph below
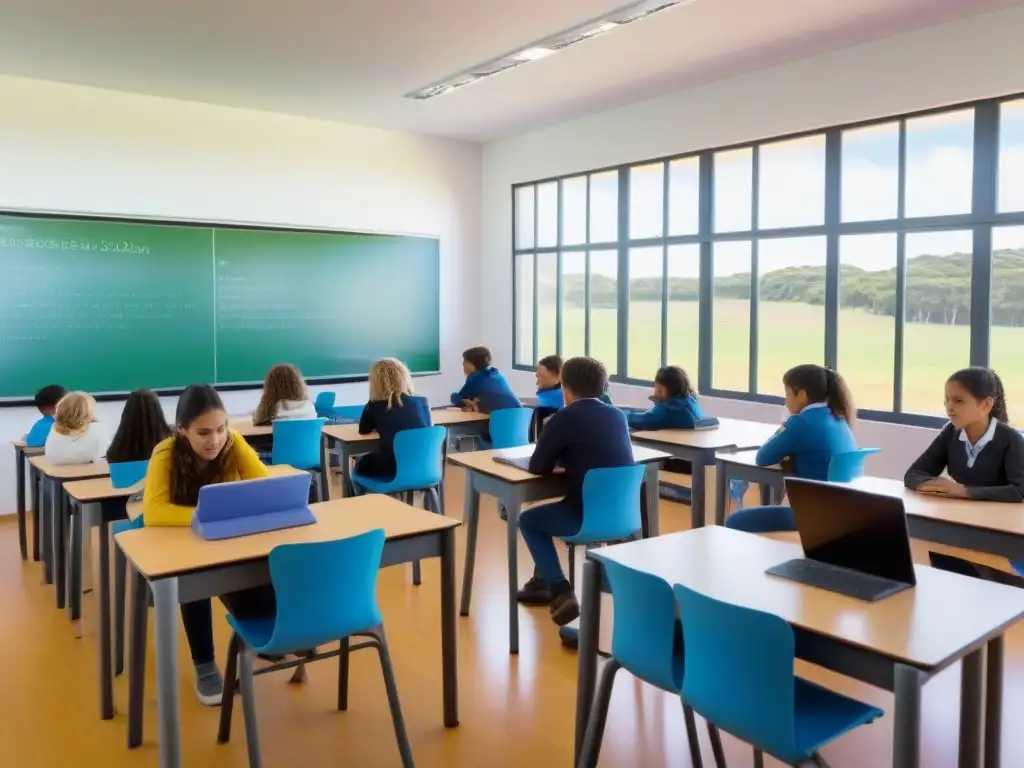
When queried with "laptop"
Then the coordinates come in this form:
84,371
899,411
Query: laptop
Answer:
229,510
964,567
855,543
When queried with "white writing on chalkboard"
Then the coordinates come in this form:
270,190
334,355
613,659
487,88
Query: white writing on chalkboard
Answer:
52,244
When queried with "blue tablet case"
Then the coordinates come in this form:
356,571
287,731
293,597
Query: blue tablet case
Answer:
229,510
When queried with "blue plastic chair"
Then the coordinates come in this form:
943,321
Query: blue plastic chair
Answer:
120,580
326,591
647,641
298,443
739,676
510,427
324,403
125,474
847,467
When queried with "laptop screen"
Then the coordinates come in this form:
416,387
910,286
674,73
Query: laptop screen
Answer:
853,529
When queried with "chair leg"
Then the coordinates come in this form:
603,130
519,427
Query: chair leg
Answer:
716,745
247,682
692,738
227,700
594,735
120,566
758,758
343,659
388,670
572,566
819,759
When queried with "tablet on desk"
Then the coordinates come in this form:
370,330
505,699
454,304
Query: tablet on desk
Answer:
245,507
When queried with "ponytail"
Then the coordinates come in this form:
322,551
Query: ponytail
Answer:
999,401
983,383
823,385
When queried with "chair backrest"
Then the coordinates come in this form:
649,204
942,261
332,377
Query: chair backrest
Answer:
347,412
325,590
324,402
845,467
646,637
127,525
418,457
510,427
125,474
297,442
739,671
611,504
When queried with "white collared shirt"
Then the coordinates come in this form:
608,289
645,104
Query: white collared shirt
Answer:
985,439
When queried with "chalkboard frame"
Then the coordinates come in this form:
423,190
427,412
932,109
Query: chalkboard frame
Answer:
108,397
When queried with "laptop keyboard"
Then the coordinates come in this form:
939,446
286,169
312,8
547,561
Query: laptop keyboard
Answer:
862,586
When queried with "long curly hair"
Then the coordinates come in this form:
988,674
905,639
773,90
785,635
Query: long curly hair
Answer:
187,475
283,382
389,380
74,414
143,426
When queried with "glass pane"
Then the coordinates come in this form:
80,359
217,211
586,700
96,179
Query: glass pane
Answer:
524,309
547,214
547,291
791,179
646,277
871,170
937,310
1011,156
867,317
604,295
574,211
646,201
940,164
683,303
791,312
574,309
684,196
604,207
731,329
1007,338
524,217
734,184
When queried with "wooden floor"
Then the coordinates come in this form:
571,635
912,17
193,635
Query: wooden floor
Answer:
515,711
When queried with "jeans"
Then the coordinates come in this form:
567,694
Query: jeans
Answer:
538,525
762,520
254,603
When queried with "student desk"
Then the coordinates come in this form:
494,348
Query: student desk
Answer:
699,446
21,454
513,488
897,644
180,567
742,466
243,426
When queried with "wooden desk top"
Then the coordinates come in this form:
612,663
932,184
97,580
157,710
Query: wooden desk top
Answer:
158,552
925,626
243,426
100,488
70,471
730,433
483,461
746,459
349,433
34,451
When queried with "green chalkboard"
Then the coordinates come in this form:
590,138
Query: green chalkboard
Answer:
110,306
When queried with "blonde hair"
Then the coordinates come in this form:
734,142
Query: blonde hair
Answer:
389,380
74,413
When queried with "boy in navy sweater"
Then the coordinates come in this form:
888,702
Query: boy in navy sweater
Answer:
46,400
485,389
586,434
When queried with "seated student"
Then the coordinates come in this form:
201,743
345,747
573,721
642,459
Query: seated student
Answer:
485,389
549,391
201,452
675,403
393,406
284,397
586,434
983,455
821,413
46,400
76,437
143,426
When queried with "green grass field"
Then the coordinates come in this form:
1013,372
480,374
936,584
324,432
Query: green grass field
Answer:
790,334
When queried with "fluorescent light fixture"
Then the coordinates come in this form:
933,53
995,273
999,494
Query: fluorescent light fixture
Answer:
541,49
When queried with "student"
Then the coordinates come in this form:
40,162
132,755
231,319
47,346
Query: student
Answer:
46,400
284,397
143,426
76,437
821,414
392,407
982,454
202,451
586,434
485,389
549,392
675,403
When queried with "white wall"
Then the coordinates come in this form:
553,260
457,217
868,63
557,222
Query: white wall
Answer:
960,61
81,150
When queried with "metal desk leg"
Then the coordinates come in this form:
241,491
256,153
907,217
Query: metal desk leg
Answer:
906,746
449,636
58,503
19,468
74,577
33,478
513,505
971,680
651,497
471,518
721,491
994,703
590,628
46,527
106,672
346,454
165,602
698,464
137,656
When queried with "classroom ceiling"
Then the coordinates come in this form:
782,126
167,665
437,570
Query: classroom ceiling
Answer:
354,60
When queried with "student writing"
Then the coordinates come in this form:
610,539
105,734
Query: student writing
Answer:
393,407
46,400
982,454
76,437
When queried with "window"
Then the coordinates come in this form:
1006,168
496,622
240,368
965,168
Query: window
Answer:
684,196
731,312
574,307
547,303
524,217
734,183
1011,156
683,328
604,312
604,207
1007,339
524,310
940,164
646,282
646,201
791,183
574,211
871,173
547,215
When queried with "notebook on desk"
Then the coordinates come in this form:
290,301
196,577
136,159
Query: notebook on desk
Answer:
242,508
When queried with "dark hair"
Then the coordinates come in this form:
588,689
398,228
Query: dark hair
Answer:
283,382
674,379
982,383
584,377
478,357
49,396
823,385
142,427
553,363
187,477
